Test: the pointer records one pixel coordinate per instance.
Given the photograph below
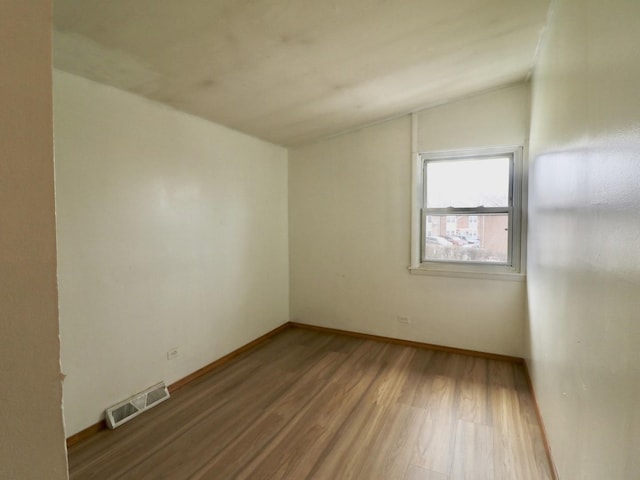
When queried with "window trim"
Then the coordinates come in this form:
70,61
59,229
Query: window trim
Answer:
514,270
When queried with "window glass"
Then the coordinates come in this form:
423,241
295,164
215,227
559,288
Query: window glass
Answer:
473,238
468,183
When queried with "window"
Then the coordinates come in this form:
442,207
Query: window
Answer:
469,206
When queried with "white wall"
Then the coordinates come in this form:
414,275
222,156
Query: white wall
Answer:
584,262
495,118
172,232
349,232
32,432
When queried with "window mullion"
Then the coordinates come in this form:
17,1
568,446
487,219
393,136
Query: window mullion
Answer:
468,210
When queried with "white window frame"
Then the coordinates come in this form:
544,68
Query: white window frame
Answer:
514,268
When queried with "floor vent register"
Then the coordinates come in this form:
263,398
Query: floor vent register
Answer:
133,406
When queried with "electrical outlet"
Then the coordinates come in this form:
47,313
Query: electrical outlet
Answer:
172,354
403,319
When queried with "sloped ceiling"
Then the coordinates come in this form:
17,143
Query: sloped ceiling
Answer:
293,71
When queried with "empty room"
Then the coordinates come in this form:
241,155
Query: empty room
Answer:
359,239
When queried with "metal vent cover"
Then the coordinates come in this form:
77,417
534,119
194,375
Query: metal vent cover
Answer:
133,406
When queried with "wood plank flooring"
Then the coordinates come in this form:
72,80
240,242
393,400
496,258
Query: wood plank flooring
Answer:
321,406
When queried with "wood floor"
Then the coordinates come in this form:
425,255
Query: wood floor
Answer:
313,405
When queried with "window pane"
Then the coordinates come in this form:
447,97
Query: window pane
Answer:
468,183
468,238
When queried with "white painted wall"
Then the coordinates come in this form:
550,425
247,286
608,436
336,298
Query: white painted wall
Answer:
584,243
172,232
349,232
498,118
31,429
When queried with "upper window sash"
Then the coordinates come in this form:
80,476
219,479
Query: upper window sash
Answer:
431,158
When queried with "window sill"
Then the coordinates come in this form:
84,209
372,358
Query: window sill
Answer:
503,276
